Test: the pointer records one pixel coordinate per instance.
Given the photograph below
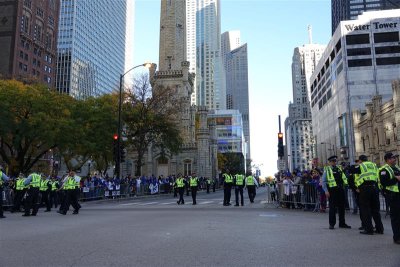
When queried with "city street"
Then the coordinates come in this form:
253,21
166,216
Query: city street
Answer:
155,231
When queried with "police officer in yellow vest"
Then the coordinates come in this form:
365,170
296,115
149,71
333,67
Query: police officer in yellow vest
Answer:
239,185
20,190
389,176
333,182
45,189
194,184
208,184
367,184
55,185
32,197
180,185
251,184
228,182
70,186
354,175
3,178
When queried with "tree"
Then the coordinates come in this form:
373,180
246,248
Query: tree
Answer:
32,122
149,119
234,162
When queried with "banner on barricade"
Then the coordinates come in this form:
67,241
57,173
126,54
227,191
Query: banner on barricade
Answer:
85,190
153,188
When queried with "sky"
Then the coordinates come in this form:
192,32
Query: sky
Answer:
272,29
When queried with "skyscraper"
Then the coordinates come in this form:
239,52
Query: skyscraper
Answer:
205,32
92,46
350,9
28,31
235,60
298,126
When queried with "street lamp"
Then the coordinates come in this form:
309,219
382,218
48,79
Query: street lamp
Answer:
121,80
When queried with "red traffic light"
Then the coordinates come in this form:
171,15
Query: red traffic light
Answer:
115,136
280,135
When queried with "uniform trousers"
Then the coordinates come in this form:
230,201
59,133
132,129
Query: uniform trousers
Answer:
181,191
208,188
45,199
54,199
251,191
336,201
239,190
194,193
31,201
19,194
227,193
369,207
394,200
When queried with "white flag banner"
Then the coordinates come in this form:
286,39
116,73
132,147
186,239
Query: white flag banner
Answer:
153,189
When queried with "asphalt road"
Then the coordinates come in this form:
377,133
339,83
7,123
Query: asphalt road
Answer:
157,232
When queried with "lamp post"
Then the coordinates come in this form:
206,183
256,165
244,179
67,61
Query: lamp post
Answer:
121,80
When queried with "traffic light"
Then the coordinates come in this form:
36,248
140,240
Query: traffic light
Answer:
281,151
122,153
115,147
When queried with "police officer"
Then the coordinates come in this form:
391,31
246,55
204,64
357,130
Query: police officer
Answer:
180,185
55,185
333,182
45,189
389,176
251,184
367,184
194,183
208,183
239,184
69,186
20,190
354,175
31,201
3,178
228,182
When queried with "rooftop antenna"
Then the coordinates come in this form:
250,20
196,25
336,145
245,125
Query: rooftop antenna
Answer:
310,34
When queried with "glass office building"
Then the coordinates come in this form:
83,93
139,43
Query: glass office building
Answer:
91,46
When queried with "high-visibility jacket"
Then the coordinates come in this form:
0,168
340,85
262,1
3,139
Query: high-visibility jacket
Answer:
35,182
44,185
54,185
331,179
209,181
250,180
227,178
392,188
1,180
239,179
19,185
70,184
369,172
180,183
193,181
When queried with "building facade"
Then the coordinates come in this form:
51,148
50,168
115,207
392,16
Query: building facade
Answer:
205,31
235,58
377,128
28,38
92,46
350,9
361,61
298,125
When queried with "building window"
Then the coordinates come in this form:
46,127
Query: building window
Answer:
359,62
388,61
359,51
187,167
387,49
357,39
385,37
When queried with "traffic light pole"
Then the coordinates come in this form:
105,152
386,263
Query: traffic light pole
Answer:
118,156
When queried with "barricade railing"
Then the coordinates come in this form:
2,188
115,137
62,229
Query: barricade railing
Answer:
311,197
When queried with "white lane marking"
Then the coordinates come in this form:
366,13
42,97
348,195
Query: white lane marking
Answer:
263,202
167,203
150,203
269,215
129,204
206,202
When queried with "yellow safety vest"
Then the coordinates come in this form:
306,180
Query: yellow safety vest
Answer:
392,188
43,185
54,185
35,182
1,180
227,178
239,179
180,183
19,186
369,172
193,181
331,179
70,183
249,180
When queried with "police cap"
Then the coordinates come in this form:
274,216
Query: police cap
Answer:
332,158
363,158
390,155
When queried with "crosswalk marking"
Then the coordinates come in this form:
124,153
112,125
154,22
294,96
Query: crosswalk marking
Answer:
149,203
206,202
129,204
167,203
